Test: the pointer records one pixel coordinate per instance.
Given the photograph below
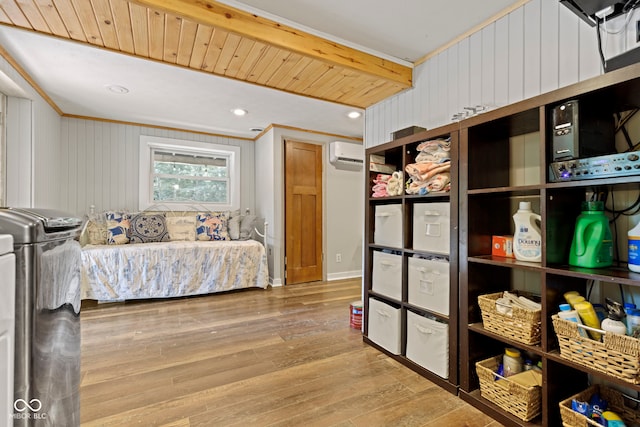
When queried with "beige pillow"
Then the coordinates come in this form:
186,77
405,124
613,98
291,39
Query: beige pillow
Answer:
182,228
96,232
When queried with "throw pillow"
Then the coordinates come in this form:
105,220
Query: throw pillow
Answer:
117,228
147,228
234,227
182,228
246,227
212,226
96,230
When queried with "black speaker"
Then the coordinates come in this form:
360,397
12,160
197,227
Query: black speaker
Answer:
580,131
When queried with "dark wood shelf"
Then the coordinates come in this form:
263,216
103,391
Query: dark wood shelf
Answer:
419,309
494,411
479,328
524,190
505,262
610,275
556,357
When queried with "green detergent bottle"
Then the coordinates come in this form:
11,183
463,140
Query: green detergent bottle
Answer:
592,246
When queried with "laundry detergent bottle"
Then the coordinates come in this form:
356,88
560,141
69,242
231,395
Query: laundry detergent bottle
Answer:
592,246
527,239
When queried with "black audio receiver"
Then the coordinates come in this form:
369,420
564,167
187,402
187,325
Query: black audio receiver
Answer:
610,165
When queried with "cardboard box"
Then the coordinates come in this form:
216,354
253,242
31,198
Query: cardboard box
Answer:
502,246
411,130
378,167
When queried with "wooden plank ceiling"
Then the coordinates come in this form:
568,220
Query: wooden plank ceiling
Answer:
218,39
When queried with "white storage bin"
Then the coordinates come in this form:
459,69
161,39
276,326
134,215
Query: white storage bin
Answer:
428,284
431,223
386,277
388,226
384,325
428,344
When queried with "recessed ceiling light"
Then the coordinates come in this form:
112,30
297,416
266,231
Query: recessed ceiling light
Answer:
354,114
239,112
118,89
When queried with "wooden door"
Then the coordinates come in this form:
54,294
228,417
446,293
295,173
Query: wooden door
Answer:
303,212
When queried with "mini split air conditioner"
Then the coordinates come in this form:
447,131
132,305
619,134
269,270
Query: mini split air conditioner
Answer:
346,154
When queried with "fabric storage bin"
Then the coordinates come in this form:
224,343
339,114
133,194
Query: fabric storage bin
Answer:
384,325
388,225
428,343
386,277
431,227
428,284
522,325
617,355
517,399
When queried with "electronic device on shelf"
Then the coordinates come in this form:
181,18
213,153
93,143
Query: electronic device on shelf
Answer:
608,166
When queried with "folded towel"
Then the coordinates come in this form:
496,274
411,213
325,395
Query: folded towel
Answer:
424,171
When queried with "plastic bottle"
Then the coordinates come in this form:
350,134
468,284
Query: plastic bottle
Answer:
601,312
613,323
633,323
633,239
592,245
589,318
628,306
572,316
527,239
573,299
512,361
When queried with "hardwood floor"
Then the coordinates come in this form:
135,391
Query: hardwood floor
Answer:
284,356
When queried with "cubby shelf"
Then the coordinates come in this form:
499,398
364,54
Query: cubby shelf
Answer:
499,158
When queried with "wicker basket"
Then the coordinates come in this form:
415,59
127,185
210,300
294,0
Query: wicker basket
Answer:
523,402
617,355
616,403
522,326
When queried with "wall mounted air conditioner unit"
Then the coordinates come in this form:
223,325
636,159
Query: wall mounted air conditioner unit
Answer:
346,154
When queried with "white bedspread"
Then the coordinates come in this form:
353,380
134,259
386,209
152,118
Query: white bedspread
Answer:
170,269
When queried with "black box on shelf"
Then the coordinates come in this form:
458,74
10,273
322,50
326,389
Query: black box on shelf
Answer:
406,132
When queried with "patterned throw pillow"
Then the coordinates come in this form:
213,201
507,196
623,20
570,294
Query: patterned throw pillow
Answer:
147,228
212,226
182,228
96,231
117,228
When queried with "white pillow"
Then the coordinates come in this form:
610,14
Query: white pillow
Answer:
182,228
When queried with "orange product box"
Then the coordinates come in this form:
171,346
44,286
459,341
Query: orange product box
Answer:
502,246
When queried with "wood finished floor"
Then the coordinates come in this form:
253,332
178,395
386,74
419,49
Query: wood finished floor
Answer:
279,357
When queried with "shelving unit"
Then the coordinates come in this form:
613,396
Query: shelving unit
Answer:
500,158
505,158
399,153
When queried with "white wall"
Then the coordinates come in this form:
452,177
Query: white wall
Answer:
99,164
32,142
343,205
537,48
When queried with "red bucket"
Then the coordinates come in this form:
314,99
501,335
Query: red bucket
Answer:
355,317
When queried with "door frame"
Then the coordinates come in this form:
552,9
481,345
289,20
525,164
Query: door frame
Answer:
324,148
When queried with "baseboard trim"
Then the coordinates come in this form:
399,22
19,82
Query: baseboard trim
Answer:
344,275
275,282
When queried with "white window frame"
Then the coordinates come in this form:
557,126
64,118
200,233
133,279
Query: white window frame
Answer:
150,143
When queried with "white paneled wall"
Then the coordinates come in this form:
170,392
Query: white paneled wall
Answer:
99,164
536,48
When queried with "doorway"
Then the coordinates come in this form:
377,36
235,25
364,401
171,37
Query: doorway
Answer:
303,212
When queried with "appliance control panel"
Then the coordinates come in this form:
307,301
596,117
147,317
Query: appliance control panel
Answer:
611,165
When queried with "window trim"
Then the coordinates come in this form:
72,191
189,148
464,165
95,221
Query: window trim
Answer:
150,143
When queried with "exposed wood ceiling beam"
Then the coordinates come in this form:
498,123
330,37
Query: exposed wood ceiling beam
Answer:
271,32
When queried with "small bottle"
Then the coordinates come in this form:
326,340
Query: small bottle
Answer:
589,318
633,239
573,297
572,316
613,323
528,365
601,312
633,323
512,361
628,306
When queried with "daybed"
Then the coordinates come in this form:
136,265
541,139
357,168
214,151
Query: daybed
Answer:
164,254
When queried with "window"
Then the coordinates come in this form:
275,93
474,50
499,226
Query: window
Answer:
182,174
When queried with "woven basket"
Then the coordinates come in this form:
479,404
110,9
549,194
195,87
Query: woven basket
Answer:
523,402
615,400
617,355
522,326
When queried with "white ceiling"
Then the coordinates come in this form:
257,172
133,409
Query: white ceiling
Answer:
75,76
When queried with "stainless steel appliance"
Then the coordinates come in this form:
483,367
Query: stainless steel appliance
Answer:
47,310
7,327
